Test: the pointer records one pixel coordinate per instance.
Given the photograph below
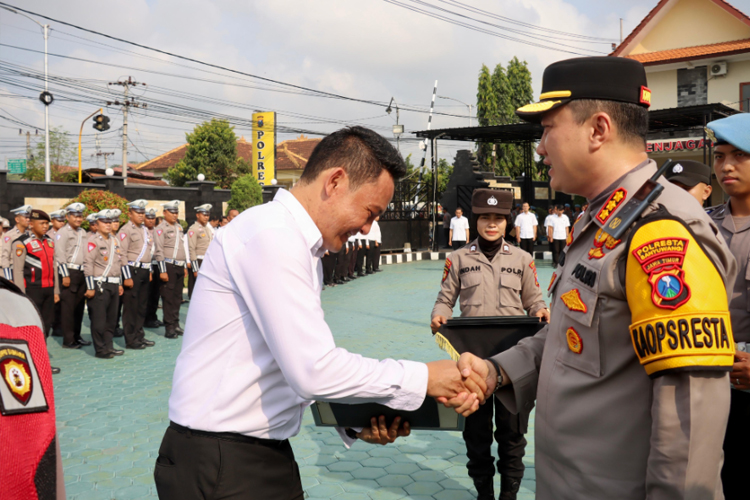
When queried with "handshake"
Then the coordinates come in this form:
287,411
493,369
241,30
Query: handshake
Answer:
464,385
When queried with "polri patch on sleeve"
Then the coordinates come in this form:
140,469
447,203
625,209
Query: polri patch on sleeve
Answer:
19,249
21,389
446,269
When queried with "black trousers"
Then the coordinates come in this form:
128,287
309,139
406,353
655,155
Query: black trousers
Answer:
370,267
171,296
361,257
457,244
342,263
528,245
736,445
192,278
134,303
103,310
376,257
72,305
196,465
153,295
57,323
511,445
353,258
44,298
557,247
329,265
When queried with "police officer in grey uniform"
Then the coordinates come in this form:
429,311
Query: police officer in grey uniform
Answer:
199,237
70,249
135,255
22,225
631,376
152,321
170,256
491,278
731,138
103,285
57,221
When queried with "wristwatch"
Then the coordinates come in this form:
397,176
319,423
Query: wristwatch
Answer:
499,374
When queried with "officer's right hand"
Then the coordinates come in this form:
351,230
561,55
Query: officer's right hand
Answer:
195,274
164,276
66,281
437,322
90,294
128,283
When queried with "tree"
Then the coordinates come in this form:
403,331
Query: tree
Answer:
246,193
211,151
445,170
97,200
61,154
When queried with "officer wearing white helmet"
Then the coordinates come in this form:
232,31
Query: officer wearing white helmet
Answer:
199,237
152,321
70,249
22,224
171,259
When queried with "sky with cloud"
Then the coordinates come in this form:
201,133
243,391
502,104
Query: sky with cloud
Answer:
366,50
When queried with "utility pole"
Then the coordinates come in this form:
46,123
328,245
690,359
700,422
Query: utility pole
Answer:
105,155
620,30
29,156
126,104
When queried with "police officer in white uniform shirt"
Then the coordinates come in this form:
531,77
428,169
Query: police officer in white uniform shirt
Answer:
459,231
257,349
526,226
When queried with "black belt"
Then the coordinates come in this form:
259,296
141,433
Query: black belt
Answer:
229,436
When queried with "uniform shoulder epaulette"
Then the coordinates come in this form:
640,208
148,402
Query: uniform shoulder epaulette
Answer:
717,210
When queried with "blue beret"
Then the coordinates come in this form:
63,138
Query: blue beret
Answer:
734,129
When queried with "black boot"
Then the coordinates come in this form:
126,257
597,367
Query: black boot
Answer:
509,488
485,489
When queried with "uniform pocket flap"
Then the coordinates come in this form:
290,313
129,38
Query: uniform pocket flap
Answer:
469,280
510,281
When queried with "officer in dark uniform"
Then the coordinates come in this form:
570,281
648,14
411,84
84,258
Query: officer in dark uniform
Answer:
34,270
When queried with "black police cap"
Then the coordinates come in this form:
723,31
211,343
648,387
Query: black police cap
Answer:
689,173
491,201
602,78
37,214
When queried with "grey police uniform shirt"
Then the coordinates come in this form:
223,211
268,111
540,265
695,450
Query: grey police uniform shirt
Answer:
738,240
604,429
135,246
168,244
102,259
507,286
199,237
6,261
70,248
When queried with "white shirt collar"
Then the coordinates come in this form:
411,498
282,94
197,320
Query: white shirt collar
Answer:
307,226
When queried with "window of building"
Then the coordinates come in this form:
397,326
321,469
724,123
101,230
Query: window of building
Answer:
692,86
745,96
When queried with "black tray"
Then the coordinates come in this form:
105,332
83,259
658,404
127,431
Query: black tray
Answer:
485,336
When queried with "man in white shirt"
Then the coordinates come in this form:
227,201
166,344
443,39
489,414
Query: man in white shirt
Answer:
526,225
257,349
547,224
459,233
373,255
557,232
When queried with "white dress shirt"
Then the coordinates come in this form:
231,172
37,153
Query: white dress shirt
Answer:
257,349
559,223
374,234
459,226
526,222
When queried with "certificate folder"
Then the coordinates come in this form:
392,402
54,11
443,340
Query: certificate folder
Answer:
485,336
430,416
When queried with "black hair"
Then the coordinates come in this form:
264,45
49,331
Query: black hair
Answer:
631,120
361,152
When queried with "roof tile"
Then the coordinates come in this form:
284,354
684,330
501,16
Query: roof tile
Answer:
689,53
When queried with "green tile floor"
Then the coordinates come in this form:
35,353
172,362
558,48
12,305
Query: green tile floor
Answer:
111,414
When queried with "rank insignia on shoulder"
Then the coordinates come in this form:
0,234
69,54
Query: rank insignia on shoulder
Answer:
446,269
676,330
532,265
92,246
57,236
572,300
21,390
575,342
595,253
611,205
473,248
506,248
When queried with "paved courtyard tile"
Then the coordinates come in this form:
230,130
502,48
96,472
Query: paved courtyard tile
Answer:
112,414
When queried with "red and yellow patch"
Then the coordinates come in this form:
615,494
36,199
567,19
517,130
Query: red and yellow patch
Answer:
575,342
19,249
552,281
533,268
611,205
602,240
446,269
16,374
645,95
572,300
91,246
662,260
595,253
569,238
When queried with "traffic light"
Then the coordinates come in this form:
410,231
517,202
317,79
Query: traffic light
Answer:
101,123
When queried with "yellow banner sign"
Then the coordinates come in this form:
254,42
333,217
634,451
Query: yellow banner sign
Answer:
264,147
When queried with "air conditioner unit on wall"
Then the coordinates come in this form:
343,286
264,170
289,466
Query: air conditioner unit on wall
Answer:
718,68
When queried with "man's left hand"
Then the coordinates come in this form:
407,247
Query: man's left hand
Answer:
740,376
379,434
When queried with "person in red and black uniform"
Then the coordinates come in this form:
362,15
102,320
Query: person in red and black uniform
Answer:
34,269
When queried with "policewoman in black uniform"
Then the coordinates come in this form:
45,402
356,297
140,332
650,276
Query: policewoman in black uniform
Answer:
492,278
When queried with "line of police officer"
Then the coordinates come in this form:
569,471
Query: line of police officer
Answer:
110,269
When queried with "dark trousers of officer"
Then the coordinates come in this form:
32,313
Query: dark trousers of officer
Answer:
736,446
103,310
511,445
192,278
134,302
375,256
44,298
342,263
353,258
527,244
57,323
361,257
329,265
153,295
196,464
557,247
457,244
171,296
72,305
370,267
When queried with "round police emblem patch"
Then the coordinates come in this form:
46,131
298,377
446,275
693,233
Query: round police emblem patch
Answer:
669,286
492,201
677,169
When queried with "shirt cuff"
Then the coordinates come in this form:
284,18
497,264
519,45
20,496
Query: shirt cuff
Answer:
8,272
126,275
162,266
90,282
413,387
348,442
63,269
